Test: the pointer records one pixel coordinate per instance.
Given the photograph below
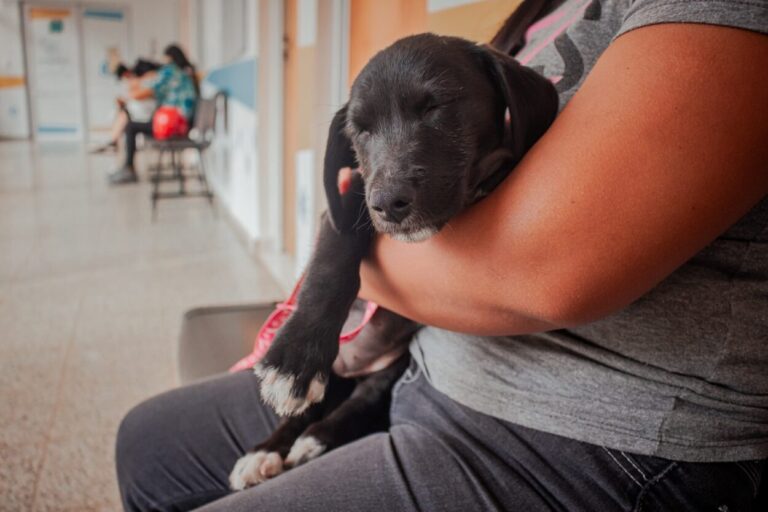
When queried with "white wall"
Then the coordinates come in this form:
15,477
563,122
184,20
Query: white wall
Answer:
246,164
224,55
232,167
154,25
14,118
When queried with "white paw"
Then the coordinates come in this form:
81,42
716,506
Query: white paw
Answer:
253,468
303,450
277,391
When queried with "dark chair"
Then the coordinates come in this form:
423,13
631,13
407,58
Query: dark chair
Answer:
214,338
200,138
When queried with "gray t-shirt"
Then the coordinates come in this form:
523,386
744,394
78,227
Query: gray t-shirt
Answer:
681,373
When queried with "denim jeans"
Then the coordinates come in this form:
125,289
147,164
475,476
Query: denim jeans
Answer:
132,129
175,451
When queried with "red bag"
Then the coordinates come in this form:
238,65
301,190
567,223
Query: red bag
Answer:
168,122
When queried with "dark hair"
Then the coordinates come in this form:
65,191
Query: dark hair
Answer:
510,38
142,67
121,70
178,57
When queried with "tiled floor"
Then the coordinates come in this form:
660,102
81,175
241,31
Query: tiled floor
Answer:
91,297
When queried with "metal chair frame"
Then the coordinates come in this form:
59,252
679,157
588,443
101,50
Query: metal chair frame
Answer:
200,138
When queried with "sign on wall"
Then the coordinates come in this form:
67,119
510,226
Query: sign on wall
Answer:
55,70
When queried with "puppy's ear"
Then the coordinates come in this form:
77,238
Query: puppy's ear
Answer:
531,99
339,154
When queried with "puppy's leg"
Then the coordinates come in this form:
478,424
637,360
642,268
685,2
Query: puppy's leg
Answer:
365,412
295,370
266,460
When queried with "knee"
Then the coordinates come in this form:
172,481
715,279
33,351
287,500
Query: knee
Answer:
130,130
131,429
135,448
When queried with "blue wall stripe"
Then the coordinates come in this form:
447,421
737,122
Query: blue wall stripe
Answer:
57,129
238,80
107,15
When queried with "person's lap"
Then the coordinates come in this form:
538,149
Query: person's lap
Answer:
178,447
175,452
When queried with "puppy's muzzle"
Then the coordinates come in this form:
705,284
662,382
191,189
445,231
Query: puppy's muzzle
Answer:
392,203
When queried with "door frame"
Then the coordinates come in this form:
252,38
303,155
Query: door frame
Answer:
332,55
269,132
84,6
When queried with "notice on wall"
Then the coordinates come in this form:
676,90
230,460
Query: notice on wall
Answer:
54,65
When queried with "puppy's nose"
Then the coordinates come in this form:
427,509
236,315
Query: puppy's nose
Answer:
392,205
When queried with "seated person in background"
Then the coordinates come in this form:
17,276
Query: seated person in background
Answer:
129,109
176,86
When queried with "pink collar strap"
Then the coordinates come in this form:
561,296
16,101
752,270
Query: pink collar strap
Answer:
278,317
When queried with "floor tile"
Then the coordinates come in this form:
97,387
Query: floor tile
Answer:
92,293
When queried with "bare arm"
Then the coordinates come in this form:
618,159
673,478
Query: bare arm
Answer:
662,149
142,93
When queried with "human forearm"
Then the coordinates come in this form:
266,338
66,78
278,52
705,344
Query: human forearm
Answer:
645,167
434,283
141,94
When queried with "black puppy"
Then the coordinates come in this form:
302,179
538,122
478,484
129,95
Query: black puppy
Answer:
425,125
351,408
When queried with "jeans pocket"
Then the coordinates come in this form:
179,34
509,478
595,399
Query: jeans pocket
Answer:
752,470
639,469
716,486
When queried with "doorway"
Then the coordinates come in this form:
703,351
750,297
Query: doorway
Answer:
105,36
68,49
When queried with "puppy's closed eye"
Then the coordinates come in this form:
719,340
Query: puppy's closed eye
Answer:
360,119
427,105
430,107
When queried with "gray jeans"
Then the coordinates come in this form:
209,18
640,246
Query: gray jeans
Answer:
175,451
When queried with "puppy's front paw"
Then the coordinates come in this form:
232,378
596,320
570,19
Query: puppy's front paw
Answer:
255,467
295,370
304,450
280,390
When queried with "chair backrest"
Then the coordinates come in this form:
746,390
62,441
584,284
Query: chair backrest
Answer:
206,114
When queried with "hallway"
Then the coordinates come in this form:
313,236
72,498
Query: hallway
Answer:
91,298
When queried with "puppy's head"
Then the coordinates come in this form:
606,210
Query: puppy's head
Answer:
426,121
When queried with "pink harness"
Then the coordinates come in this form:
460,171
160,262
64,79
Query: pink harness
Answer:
278,317
284,309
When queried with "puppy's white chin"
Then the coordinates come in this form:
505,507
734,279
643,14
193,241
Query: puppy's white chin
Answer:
415,236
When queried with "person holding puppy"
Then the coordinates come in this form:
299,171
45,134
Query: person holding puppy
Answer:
597,324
